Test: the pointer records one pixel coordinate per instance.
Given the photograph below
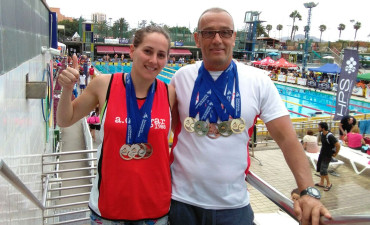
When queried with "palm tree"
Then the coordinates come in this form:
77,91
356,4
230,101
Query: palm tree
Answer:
268,28
120,28
294,15
295,28
322,28
356,27
279,28
340,28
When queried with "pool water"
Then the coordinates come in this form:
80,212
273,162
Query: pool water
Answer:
309,102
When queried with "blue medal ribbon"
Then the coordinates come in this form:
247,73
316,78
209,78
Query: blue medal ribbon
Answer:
212,97
138,120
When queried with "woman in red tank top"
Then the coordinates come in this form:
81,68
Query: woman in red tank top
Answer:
133,177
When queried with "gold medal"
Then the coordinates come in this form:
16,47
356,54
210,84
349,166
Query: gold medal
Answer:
213,131
224,129
189,124
201,128
237,125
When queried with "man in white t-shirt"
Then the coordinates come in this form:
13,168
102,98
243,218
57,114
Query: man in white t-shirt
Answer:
219,100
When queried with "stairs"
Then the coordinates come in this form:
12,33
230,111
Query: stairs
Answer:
68,175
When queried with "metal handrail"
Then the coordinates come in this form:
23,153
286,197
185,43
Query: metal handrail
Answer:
12,178
287,205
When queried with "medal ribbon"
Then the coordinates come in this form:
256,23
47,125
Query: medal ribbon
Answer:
138,120
217,96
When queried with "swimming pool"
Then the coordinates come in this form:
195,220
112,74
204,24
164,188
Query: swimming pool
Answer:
306,103
165,75
300,102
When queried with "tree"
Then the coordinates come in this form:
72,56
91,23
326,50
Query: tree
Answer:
294,15
279,28
142,24
268,28
101,28
295,28
322,28
120,28
357,26
340,28
70,27
261,31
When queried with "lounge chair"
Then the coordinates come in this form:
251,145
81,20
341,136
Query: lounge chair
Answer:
355,158
314,157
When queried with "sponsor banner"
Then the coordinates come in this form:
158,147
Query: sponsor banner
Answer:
346,82
111,41
324,86
291,79
367,93
311,83
123,41
358,91
301,81
282,78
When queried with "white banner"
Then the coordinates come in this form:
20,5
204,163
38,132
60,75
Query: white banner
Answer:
357,91
291,79
301,81
282,78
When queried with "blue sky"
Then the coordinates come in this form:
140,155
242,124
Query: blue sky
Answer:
274,12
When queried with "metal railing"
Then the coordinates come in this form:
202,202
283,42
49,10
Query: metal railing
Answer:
12,178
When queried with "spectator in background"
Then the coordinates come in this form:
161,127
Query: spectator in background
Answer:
345,125
354,139
92,72
310,142
82,82
329,148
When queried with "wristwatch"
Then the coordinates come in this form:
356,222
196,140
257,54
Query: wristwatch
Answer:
311,191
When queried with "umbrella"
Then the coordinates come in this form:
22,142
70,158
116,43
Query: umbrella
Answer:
365,76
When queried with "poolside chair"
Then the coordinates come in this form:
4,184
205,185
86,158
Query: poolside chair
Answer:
355,158
314,157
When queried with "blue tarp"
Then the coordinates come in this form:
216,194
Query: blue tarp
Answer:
327,68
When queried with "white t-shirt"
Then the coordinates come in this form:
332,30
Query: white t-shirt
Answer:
83,79
210,173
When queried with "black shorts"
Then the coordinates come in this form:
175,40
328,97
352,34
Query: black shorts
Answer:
94,126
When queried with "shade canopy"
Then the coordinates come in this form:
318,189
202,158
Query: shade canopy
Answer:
365,76
122,49
103,49
327,68
265,62
283,63
174,51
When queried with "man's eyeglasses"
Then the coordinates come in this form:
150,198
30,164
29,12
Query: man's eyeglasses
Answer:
212,33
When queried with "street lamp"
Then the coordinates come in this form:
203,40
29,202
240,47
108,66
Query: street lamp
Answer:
308,5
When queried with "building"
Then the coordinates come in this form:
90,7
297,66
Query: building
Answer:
98,17
60,17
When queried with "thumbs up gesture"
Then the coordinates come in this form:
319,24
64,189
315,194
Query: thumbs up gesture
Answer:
68,77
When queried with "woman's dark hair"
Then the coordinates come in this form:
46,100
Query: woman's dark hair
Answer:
140,35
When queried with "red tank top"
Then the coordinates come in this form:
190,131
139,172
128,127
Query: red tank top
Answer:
134,189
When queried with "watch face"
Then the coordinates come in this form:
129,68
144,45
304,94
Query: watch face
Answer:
313,191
